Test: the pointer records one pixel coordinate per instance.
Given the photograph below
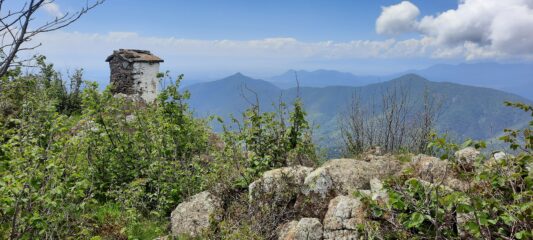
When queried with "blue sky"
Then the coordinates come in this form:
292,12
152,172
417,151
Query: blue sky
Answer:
207,39
305,20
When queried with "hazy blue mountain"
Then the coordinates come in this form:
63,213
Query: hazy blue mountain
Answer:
232,95
514,78
467,111
321,78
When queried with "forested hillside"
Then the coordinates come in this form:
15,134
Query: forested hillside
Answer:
464,111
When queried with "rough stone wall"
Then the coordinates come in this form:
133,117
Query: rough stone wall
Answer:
137,78
122,76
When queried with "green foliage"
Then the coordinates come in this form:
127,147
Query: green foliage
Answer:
517,139
499,203
43,191
78,163
64,153
110,221
17,88
149,157
441,146
467,112
269,140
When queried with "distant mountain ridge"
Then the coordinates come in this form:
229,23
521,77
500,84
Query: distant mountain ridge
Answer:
321,78
467,111
231,95
513,78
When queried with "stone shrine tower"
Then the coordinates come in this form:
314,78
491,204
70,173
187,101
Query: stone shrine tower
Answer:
134,73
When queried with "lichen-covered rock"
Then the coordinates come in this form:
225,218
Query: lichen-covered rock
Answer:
500,155
309,229
466,158
194,216
430,168
287,230
343,215
305,229
384,166
278,184
340,177
456,184
378,193
341,235
344,176
319,182
435,170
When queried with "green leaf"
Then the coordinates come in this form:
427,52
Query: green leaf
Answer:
524,234
415,220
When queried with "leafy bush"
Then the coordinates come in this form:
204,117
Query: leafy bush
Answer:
76,162
64,153
149,157
43,191
267,140
498,204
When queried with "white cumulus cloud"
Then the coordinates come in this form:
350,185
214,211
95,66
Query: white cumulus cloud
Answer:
397,18
90,49
475,29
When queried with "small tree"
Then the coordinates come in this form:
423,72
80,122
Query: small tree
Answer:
396,122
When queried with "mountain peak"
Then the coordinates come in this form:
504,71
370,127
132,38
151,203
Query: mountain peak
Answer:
412,77
238,74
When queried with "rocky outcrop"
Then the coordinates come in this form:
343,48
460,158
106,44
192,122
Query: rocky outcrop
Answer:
343,215
305,229
322,203
466,158
429,168
343,176
287,230
280,184
435,170
194,216
340,177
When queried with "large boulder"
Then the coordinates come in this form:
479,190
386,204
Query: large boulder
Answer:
305,229
340,177
466,158
343,215
193,217
282,184
344,176
287,230
435,170
429,168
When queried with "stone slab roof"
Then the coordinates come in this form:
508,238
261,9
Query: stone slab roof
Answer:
134,55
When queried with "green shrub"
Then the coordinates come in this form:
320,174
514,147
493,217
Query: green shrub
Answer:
498,205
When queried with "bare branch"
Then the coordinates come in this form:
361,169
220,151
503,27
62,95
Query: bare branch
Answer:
16,28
